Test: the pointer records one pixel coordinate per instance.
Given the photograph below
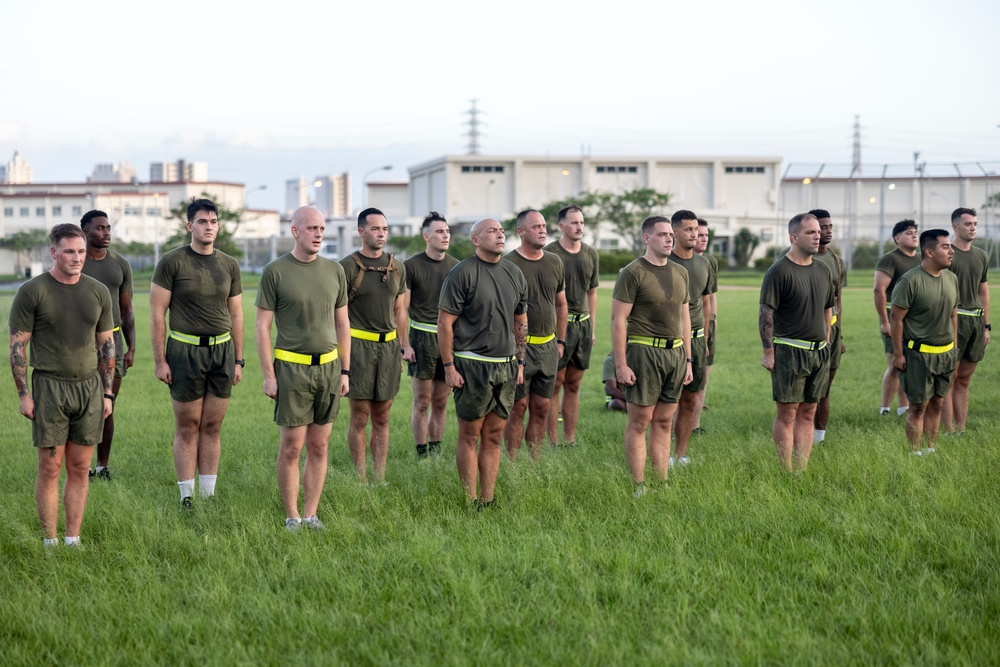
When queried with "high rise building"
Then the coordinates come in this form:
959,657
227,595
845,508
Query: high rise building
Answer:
296,194
181,171
119,172
17,171
332,195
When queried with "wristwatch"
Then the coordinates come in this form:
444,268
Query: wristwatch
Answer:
241,363
345,371
989,327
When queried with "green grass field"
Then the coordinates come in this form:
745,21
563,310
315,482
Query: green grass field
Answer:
870,557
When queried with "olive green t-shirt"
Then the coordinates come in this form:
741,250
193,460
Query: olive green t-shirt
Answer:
715,276
582,273
829,258
970,267
64,321
485,297
929,301
799,296
200,288
372,307
545,279
115,273
699,284
424,277
894,264
657,294
303,297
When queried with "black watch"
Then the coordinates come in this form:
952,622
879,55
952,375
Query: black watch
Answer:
241,363
989,327
346,372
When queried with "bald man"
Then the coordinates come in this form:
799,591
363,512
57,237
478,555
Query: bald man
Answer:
482,335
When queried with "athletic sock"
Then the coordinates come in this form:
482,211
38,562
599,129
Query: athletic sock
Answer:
434,447
54,542
100,468
900,411
818,435
206,485
72,540
187,488
884,410
421,451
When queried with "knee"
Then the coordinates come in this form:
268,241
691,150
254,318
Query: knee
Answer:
49,468
380,418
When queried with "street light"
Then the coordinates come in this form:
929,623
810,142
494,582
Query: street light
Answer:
364,180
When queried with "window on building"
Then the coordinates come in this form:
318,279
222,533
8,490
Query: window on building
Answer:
741,169
40,211
77,211
617,169
154,211
482,168
25,211
8,212
133,210
56,210
608,244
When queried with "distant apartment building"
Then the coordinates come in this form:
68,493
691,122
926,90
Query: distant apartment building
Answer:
296,194
17,171
332,195
180,171
118,172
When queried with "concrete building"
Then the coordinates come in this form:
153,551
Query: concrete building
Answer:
296,194
332,195
17,171
118,172
180,171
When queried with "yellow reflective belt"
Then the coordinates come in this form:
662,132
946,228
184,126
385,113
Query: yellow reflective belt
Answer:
801,344
833,320
201,341
971,312
482,357
579,317
698,333
929,349
116,329
373,335
666,343
423,326
305,359
540,340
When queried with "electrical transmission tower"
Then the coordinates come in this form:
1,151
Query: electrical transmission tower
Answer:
856,152
474,133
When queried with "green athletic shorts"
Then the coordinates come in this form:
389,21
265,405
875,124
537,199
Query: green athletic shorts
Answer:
375,370
699,353
800,376
67,410
886,343
971,338
425,348
540,368
835,353
927,375
710,344
198,370
659,374
489,387
579,344
307,394
120,369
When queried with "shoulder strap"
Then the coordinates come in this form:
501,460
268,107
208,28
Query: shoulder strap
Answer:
356,283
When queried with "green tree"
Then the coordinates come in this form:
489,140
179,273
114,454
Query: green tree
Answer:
744,243
33,243
224,239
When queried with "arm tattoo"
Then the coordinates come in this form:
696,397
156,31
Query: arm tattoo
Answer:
765,323
106,364
19,365
521,339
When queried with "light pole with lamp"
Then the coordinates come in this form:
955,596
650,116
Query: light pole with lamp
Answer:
364,180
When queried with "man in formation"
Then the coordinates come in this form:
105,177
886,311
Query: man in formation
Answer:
829,258
889,269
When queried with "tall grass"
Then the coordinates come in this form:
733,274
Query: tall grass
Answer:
868,557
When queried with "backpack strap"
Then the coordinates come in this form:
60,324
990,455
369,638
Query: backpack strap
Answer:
393,266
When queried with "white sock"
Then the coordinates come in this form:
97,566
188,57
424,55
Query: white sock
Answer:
54,542
900,411
100,468
72,540
884,410
187,488
206,485
818,435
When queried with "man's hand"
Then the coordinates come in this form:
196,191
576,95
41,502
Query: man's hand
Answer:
625,376
271,388
453,378
884,328
237,374
689,374
899,362
562,349
345,385
520,374
409,354
129,358
109,407
163,373
768,360
27,407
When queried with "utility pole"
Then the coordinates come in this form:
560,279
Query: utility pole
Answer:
473,134
856,152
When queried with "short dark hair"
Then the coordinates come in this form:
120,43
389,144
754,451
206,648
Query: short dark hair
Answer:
702,222
929,239
795,224
65,230
433,216
566,210
197,205
90,215
677,218
957,214
652,221
523,215
820,213
363,216
902,226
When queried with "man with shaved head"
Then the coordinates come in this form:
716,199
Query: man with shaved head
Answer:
482,335
311,364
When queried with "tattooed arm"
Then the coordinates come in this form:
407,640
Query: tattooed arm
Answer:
106,367
521,339
765,323
19,368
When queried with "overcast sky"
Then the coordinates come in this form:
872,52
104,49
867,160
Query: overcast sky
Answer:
321,87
